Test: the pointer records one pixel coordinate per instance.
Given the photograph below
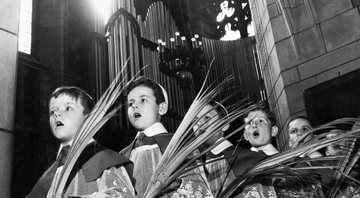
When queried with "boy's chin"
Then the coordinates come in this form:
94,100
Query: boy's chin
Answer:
142,127
258,144
139,128
63,139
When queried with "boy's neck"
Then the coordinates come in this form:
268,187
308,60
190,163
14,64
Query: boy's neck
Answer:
260,148
66,143
154,129
71,142
268,149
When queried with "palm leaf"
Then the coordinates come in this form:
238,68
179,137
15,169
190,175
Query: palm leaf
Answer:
100,114
339,178
174,161
283,165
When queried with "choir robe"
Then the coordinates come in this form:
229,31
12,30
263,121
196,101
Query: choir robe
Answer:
352,189
146,159
234,163
97,172
285,188
264,187
347,189
295,188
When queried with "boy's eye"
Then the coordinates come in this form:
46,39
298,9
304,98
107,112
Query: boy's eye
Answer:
51,113
260,121
68,108
306,129
293,131
143,100
130,104
248,124
206,118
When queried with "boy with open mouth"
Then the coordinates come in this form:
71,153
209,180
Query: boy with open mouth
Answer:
97,169
260,128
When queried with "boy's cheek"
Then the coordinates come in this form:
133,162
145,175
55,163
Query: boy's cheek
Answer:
51,123
129,113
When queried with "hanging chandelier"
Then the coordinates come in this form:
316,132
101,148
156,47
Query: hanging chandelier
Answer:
182,58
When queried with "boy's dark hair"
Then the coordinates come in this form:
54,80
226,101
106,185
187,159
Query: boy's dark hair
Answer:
301,117
76,93
146,82
269,114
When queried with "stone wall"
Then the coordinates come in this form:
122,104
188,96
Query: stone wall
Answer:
9,29
303,43
60,36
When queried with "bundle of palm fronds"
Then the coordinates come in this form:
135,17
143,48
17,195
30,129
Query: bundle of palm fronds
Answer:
348,163
104,109
292,165
175,160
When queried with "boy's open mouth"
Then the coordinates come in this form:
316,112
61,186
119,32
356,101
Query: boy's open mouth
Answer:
256,134
58,123
137,115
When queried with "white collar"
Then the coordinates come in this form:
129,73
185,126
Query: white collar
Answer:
70,143
154,129
315,154
268,149
221,147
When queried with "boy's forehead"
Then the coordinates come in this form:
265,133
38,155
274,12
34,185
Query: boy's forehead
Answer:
255,114
299,122
208,109
63,98
141,91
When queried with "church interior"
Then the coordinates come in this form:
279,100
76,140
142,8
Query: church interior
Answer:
300,57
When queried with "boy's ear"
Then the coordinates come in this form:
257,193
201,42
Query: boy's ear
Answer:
274,131
226,127
246,136
163,108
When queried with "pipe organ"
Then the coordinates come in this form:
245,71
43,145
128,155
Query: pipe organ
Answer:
236,58
127,37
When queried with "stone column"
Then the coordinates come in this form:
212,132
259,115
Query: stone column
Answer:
302,44
9,28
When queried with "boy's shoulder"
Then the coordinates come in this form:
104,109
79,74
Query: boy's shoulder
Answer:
242,158
164,135
97,158
163,140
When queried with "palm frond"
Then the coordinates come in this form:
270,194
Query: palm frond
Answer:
175,160
347,164
100,114
289,164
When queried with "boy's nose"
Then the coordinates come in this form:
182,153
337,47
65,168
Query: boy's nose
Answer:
253,125
196,127
135,106
57,114
299,133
